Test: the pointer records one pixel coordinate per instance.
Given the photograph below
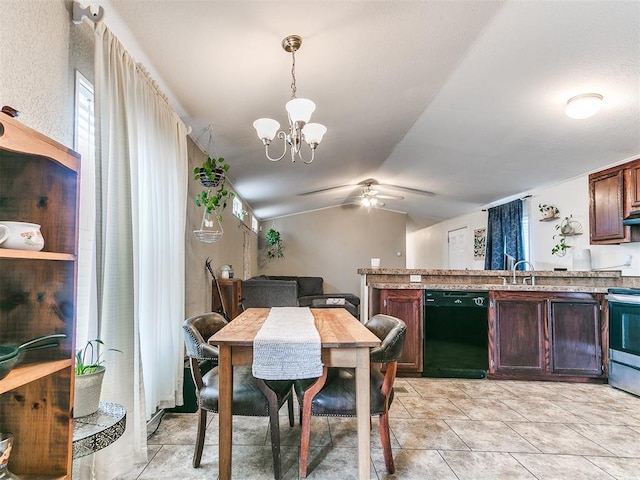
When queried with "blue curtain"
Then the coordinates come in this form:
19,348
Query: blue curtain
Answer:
504,235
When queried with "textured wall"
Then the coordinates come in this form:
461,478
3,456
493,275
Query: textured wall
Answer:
333,243
36,64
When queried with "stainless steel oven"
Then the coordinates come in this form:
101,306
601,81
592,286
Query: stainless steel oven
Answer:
624,339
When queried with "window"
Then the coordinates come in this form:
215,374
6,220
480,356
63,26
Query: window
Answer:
237,208
254,224
84,144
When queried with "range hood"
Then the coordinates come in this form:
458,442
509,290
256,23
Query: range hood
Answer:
632,219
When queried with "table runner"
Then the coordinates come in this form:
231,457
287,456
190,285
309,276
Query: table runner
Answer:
287,346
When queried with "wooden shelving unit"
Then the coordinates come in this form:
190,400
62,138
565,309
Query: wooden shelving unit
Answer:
39,184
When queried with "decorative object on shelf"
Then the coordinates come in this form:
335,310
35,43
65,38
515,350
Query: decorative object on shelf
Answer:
6,443
11,354
299,113
274,244
584,105
569,227
21,236
549,212
560,249
89,373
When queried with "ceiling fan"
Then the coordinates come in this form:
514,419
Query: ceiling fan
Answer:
370,197
367,184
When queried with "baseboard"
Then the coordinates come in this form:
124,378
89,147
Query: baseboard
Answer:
154,423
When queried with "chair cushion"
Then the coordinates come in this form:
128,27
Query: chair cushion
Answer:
338,396
248,399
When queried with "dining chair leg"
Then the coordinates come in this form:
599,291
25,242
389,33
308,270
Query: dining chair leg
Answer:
307,402
202,427
274,426
385,439
290,409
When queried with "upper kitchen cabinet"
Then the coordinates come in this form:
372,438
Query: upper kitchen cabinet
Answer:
613,194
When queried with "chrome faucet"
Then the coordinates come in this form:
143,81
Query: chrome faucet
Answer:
515,265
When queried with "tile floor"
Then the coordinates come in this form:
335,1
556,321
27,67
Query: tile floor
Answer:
441,429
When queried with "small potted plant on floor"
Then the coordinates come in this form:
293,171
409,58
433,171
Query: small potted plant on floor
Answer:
89,372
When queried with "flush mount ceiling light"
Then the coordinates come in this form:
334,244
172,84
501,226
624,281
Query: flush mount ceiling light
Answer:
583,106
299,111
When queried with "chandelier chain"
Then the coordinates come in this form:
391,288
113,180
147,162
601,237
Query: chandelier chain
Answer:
293,73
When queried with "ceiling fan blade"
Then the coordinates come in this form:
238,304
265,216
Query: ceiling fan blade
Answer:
409,189
390,197
327,189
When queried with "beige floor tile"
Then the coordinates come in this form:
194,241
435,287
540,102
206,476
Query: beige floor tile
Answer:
557,438
344,433
536,390
445,388
490,436
414,465
561,467
334,463
600,413
398,410
620,468
484,389
485,409
426,434
485,466
432,407
403,387
541,410
622,441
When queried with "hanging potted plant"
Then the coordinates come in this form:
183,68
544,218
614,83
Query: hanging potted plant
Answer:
214,203
274,244
89,372
212,172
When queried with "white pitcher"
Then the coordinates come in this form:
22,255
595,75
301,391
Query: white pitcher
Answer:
21,236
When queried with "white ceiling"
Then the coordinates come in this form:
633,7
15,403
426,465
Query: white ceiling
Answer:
461,98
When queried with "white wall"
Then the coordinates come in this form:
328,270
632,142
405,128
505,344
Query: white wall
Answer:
427,248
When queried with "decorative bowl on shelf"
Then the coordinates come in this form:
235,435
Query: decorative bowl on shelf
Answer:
21,236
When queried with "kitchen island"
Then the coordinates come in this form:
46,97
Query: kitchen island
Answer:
549,327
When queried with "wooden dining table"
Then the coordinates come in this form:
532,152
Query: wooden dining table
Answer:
345,343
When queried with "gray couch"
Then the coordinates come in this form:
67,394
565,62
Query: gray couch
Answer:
293,291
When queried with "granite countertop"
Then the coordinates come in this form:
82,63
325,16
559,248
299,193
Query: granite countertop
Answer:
502,280
487,287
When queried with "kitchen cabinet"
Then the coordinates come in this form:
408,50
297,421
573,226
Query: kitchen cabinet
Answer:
546,335
39,184
407,306
613,193
231,293
519,334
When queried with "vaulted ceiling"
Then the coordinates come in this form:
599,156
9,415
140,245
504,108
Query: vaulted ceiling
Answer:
464,99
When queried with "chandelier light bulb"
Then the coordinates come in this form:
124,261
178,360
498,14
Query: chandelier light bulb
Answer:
266,128
300,109
313,133
583,106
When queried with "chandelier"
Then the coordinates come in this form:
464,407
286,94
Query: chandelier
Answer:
299,111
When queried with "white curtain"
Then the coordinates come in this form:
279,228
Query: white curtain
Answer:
142,194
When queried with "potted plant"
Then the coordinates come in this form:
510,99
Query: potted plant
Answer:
560,249
274,244
214,202
548,211
89,372
212,172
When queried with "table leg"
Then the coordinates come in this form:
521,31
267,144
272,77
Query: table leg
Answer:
225,417
363,408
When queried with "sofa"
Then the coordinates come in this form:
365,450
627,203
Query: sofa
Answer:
294,291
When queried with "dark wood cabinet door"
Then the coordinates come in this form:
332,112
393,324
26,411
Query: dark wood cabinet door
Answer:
518,336
575,337
632,186
407,306
606,207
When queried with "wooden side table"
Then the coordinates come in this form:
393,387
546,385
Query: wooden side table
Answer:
98,430
231,289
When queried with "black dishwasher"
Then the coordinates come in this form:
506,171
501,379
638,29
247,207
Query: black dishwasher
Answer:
455,334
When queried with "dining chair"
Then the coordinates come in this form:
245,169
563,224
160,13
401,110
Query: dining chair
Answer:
337,397
251,396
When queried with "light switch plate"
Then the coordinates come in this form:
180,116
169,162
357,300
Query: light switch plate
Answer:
415,278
